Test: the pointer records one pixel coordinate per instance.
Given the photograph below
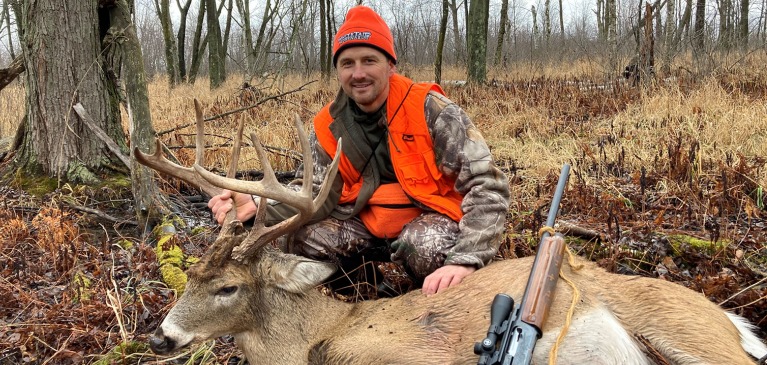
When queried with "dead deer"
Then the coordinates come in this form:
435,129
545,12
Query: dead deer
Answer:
267,300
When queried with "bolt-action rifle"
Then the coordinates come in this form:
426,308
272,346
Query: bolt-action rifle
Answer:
514,329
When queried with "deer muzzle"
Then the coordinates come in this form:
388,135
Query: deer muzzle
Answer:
160,344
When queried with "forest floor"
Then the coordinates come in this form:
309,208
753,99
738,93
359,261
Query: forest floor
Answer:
81,284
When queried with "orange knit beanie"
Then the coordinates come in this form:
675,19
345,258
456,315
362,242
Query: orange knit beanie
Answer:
364,27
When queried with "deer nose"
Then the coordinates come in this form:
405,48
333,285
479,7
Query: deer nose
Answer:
161,344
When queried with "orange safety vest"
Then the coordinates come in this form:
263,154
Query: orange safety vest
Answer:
413,160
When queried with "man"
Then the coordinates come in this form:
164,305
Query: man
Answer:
414,172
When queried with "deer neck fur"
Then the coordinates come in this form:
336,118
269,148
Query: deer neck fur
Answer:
285,331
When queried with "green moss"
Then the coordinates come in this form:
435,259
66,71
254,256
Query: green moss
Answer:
121,354
117,181
35,185
81,284
174,277
677,240
126,245
198,230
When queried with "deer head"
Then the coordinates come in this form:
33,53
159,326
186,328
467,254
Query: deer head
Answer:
239,271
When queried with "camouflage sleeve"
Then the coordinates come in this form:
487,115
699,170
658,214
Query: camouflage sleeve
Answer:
277,212
461,153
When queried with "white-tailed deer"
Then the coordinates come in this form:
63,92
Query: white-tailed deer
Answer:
267,300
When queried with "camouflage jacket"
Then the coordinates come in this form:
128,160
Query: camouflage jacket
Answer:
461,153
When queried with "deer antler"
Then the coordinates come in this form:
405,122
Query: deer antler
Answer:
269,187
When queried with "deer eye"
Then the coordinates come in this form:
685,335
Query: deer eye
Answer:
227,290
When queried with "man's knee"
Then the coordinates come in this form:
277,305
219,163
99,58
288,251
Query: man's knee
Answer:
423,244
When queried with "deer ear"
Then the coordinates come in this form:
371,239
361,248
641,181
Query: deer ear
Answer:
305,274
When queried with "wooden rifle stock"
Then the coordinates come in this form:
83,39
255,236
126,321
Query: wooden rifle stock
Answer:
514,329
543,281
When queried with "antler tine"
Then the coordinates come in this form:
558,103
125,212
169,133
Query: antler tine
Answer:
269,187
159,162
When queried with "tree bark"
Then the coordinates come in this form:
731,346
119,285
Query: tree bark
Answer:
61,43
698,42
181,38
199,43
547,22
743,25
501,32
457,36
216,70
171,52
243,7
684,23
441,42
479,13
124,47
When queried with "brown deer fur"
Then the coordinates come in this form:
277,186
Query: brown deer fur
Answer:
277,317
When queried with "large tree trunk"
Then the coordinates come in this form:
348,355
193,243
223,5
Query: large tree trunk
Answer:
479,12
62,53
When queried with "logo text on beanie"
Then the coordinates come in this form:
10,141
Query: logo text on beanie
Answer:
354,36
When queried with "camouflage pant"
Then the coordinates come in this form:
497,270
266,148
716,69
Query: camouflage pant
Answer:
421,248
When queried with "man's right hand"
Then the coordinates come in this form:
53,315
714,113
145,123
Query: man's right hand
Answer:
222,204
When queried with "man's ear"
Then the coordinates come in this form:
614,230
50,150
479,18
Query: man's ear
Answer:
392,68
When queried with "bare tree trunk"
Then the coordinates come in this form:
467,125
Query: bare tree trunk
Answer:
600,13
547,22
199,43
324,64
479,13
441,42
725,7
647,54
699,30
216,66
171,52
243,7
458,38
561,21
227,30
61,42
501,32
684,23
668,39
124,47
181,38
743,25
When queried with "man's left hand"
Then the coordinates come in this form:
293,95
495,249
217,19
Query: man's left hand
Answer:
445,277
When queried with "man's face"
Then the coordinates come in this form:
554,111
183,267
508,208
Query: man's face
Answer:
364,75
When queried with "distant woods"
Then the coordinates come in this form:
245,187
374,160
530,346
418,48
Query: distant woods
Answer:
258,38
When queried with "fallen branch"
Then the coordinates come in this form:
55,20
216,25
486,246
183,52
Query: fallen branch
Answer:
570,229
7,75
101,214
218,116
80,110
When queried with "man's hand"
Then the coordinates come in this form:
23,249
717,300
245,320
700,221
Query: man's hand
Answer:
222,204
444,277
